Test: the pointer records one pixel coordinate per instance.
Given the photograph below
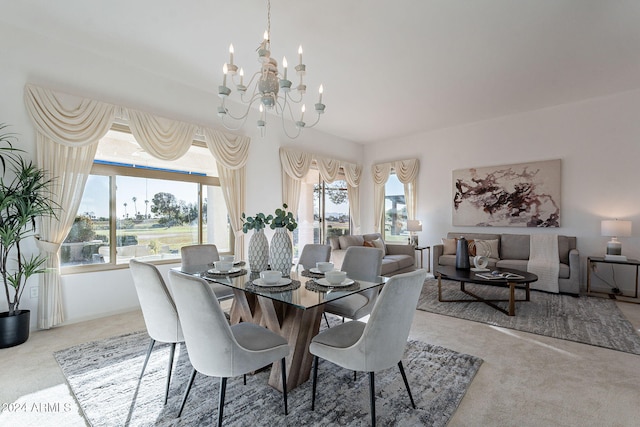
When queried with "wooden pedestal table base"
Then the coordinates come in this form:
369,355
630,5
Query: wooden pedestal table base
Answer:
296,325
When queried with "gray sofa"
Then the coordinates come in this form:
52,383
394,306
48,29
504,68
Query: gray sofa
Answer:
513,252
397,258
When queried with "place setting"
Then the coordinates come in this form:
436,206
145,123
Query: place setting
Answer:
271,281
319,270
227,267
331,279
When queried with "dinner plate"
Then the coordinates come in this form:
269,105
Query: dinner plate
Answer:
316,271
325,282
233,270
282,282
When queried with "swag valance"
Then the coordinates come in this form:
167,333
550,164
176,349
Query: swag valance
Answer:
68,129
295,166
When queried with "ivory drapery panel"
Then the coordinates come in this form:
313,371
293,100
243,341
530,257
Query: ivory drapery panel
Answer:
407,173
66,142
295,165
231,154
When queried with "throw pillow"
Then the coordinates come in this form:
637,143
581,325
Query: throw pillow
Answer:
472,247
488,248
346,241
378,243
449,246
368,244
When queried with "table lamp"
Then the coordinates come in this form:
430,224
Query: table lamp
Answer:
413,225
615,229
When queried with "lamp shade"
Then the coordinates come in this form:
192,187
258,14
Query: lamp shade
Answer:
414,225
615,228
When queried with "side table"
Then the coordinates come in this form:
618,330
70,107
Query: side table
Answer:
597,260
421,249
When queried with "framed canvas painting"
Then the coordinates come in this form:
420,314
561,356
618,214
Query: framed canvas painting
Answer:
518,195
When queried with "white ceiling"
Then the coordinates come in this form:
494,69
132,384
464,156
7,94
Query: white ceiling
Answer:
389,68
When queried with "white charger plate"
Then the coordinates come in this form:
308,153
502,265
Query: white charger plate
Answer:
282,282
325,282
233,270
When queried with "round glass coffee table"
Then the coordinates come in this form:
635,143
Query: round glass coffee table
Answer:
504,277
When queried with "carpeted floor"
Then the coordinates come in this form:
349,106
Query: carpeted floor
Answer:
588,320
103,376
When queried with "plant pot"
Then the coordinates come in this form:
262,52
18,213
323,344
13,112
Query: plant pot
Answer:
258,251
14,330
281,252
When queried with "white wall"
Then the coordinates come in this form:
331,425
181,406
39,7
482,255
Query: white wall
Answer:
27,58
597,141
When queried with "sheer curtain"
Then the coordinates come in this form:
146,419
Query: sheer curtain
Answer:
67,131
407,173
296,164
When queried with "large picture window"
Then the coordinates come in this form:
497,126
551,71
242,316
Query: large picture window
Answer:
136,206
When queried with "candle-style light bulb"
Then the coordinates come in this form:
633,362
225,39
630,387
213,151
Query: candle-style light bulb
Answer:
303,110
300,55
320,92
266,35
231,54
261,112
225,70
241,76
284,66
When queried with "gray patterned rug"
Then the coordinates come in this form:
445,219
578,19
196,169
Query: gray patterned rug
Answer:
588,320
103,376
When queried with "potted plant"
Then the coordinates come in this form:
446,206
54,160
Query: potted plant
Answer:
23,198
258,244
280,250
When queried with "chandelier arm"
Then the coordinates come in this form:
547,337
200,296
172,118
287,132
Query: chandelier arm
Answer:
240,126
242,117
295,101
314,123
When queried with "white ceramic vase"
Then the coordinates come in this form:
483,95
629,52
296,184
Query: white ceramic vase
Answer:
281,252
258,251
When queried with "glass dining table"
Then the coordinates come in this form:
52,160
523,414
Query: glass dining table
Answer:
292,308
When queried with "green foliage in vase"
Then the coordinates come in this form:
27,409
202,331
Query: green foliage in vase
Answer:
256,222
283,219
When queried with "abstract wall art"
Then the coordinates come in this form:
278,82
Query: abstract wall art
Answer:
518,195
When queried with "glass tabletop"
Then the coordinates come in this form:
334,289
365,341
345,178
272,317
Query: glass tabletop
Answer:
298,293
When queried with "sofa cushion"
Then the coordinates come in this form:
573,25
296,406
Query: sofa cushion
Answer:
378,243
449,246
346,241
515,246
487,248
451,260
334,242
563,249
388,266
403,261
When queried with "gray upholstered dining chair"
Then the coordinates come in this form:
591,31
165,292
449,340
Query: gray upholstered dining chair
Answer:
378,344
360,263
198,255
217,349
313,253
159,312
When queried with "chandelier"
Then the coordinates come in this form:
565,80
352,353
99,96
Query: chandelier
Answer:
269,87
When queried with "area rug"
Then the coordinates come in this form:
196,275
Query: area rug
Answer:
103,376
588,320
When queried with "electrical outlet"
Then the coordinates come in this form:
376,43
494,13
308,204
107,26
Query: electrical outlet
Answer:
33,292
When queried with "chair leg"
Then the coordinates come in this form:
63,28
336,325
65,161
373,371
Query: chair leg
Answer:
354,375
168,381
244,379
372,398
186,392
144,366
315,379
223,388
406,383
326,320
283,368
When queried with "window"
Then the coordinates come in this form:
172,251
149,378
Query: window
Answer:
395,211
136,206
323,211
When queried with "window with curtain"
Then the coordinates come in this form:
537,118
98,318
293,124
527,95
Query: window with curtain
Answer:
137,206
323,210
395,211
